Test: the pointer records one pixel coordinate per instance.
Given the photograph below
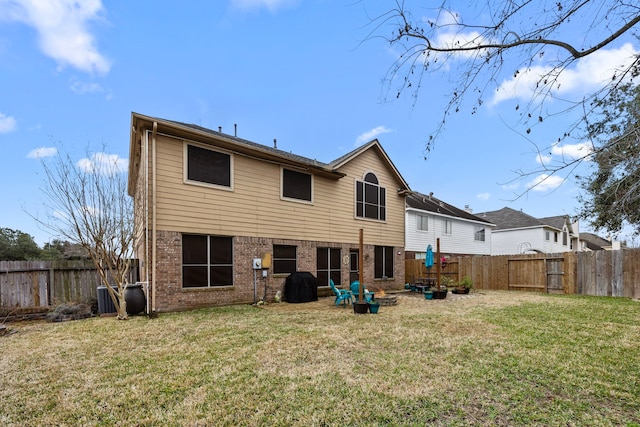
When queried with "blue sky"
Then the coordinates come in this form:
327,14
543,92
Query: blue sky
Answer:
302,71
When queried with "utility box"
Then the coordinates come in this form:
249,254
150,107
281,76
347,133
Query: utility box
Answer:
105,303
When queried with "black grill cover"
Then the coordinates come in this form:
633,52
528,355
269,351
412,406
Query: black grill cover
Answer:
301,287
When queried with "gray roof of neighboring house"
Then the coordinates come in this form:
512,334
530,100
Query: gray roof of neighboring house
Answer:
431,204
594,242
507,219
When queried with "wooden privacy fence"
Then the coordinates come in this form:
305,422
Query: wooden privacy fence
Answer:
599,273
48,283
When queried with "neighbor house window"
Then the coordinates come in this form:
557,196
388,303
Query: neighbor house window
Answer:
547,235
383,262
479,234
284,259
208,166
447,226
370,198
207,261
564,238
555,236
422,222
328,266
296,185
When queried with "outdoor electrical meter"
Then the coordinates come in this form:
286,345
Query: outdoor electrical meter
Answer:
257,263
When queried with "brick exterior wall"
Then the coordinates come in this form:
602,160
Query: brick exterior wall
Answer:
170,296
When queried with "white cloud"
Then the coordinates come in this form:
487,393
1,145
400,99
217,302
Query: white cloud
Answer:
483,196
573,151
271,5
62,29
588,74
542,159
84,88
7,123
372,134
511,186
42,152
545,182
103,163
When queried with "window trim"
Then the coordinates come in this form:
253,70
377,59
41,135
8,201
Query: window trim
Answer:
208,263
293,199
419,220
276,259
185,166
447,230
328,253
382,193
385,255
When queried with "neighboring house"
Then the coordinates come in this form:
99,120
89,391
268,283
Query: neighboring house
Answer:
517,233
593,242
207,204
460,232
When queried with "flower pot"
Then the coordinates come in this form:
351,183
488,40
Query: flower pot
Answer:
441,294
428,295
374,307
360,307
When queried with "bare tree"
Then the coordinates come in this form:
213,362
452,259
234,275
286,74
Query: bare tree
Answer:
87,204
527,42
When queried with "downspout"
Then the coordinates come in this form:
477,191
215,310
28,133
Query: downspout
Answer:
145,158
153,220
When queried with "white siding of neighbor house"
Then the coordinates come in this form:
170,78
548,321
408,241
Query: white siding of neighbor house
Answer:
510,242
460,241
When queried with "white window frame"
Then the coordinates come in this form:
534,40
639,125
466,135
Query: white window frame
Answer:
422,222
185,167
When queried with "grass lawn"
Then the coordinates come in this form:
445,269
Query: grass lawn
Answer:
490,358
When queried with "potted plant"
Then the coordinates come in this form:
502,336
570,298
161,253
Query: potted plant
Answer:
441,291
464,286
374,306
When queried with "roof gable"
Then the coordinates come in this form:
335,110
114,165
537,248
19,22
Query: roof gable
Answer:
371,145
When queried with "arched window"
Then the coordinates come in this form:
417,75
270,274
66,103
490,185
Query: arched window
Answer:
370,198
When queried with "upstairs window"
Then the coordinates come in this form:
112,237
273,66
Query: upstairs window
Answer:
422,222
479,234
208,166
371,199
296,185
564,238
447,226
547,235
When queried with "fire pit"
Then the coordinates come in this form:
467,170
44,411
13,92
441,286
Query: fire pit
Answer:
384,298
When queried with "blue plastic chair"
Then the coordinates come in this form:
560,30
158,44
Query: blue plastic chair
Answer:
342,295
368,296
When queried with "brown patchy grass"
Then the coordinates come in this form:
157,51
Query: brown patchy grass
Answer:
491,358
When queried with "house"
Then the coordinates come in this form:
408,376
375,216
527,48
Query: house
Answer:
593,242
517,232
460,232
222,220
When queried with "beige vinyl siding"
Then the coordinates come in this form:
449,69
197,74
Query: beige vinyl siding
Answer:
254,207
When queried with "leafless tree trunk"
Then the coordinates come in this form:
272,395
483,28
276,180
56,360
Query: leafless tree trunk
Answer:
87,204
